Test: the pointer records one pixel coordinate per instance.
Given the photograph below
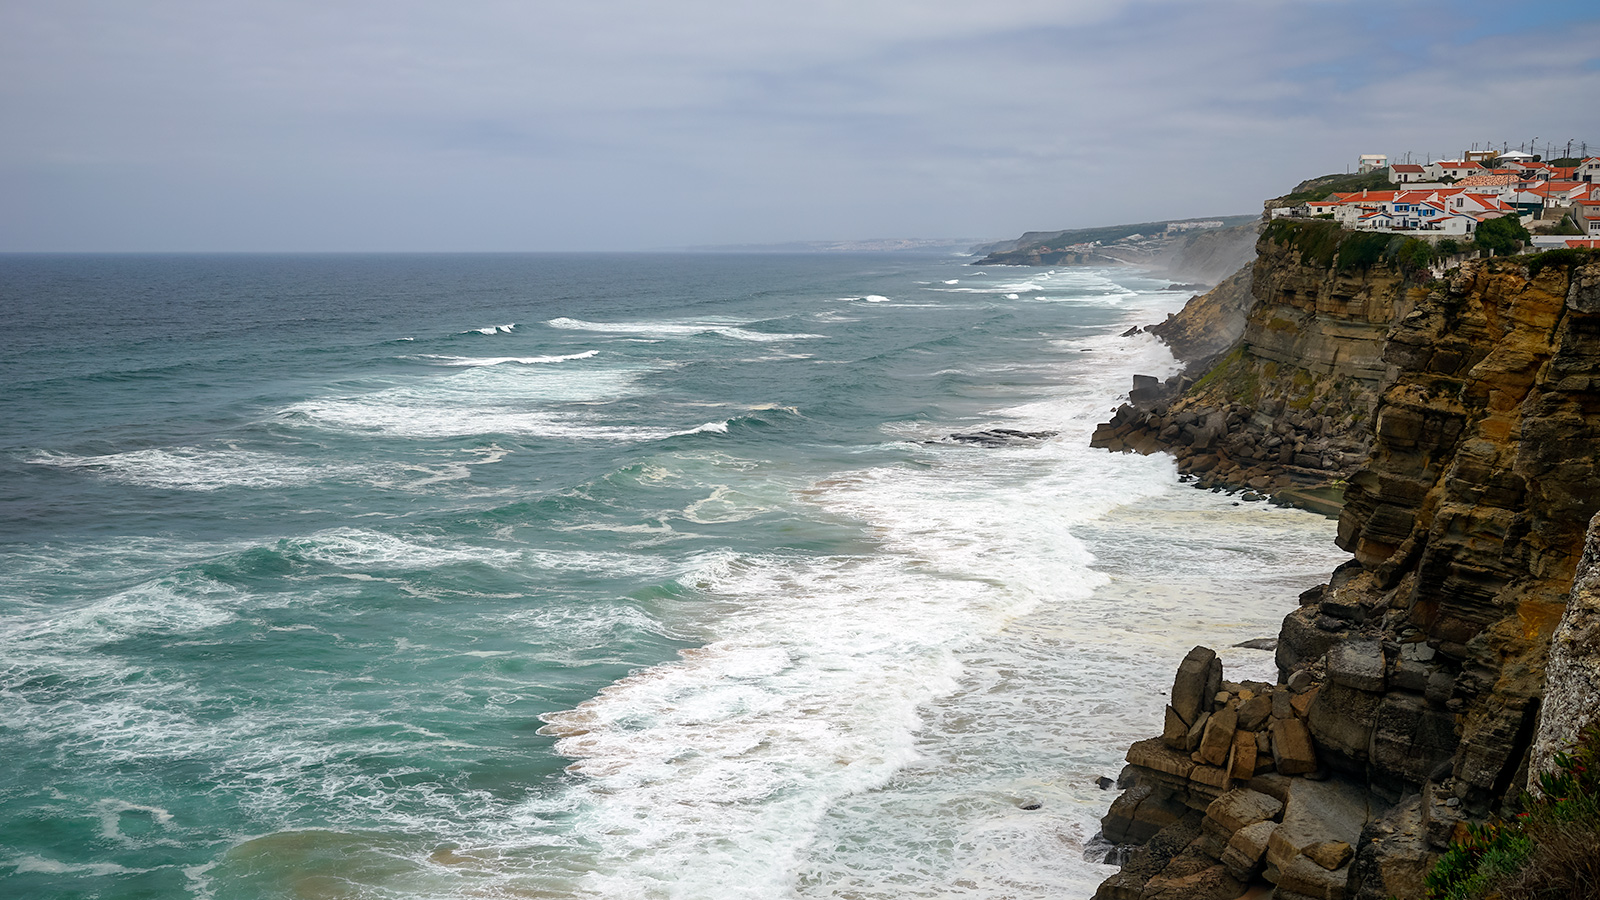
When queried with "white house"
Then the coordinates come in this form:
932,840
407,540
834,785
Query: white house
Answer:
1587,213
1588,171
1406,173
1354,205
1405,216
1370,161
1453,169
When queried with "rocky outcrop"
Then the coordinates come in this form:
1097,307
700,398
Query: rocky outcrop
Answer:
1288,411
1572,677
1209,324
1419,668
1217,795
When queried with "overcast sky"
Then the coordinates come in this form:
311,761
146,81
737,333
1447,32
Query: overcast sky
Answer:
634,124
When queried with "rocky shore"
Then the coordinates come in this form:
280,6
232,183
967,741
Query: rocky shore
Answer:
1458,418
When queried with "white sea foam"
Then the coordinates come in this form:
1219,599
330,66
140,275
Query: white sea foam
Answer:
111,814
33,864
198,469
488,400
501,360
856,722
671,329
812,691
871,724
492,329
708,428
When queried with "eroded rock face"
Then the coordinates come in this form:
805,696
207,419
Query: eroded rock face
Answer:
1414,678
1288,410
1572,690
1469,516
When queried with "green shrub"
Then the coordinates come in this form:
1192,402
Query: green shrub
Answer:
1317,241
1561,258
1549,851
1361,250
1503,235
1414,254
1320,188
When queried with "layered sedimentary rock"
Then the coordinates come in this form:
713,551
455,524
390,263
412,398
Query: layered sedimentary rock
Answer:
1209,324
1289,410
1415,674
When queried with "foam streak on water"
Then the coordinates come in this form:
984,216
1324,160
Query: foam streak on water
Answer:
679,591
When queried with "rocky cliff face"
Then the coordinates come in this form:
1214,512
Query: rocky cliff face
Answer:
1418,670
1211,323
1289,410
1572,677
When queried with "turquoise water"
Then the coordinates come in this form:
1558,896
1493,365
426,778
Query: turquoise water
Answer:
587,576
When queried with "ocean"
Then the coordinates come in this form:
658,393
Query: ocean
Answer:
590,576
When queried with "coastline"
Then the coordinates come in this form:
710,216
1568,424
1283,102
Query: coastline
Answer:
1407,690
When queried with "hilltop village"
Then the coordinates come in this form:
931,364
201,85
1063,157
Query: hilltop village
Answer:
1557,202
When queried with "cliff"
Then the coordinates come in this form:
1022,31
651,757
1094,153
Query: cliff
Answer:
1288,410
1461,415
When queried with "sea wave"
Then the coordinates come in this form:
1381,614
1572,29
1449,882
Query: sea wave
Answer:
197,469
474,361
677,329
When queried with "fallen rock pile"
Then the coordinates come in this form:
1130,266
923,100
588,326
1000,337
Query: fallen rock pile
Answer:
1233,792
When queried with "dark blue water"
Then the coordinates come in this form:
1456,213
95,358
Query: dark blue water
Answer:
587,576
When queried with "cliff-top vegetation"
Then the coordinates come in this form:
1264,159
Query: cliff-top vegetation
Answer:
1548,851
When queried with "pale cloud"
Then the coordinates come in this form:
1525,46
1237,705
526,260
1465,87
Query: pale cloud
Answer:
622,124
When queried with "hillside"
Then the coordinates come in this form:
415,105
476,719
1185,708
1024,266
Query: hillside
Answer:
1143,243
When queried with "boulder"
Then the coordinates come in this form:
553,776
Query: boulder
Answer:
1341,719
1281,708
1174,731
1319,812
1330,854
1301,703
1292,750
1243,807
1198,679
1153,754
1253,713
1247,850
1191,741
1299,875
1218,738
1242,758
